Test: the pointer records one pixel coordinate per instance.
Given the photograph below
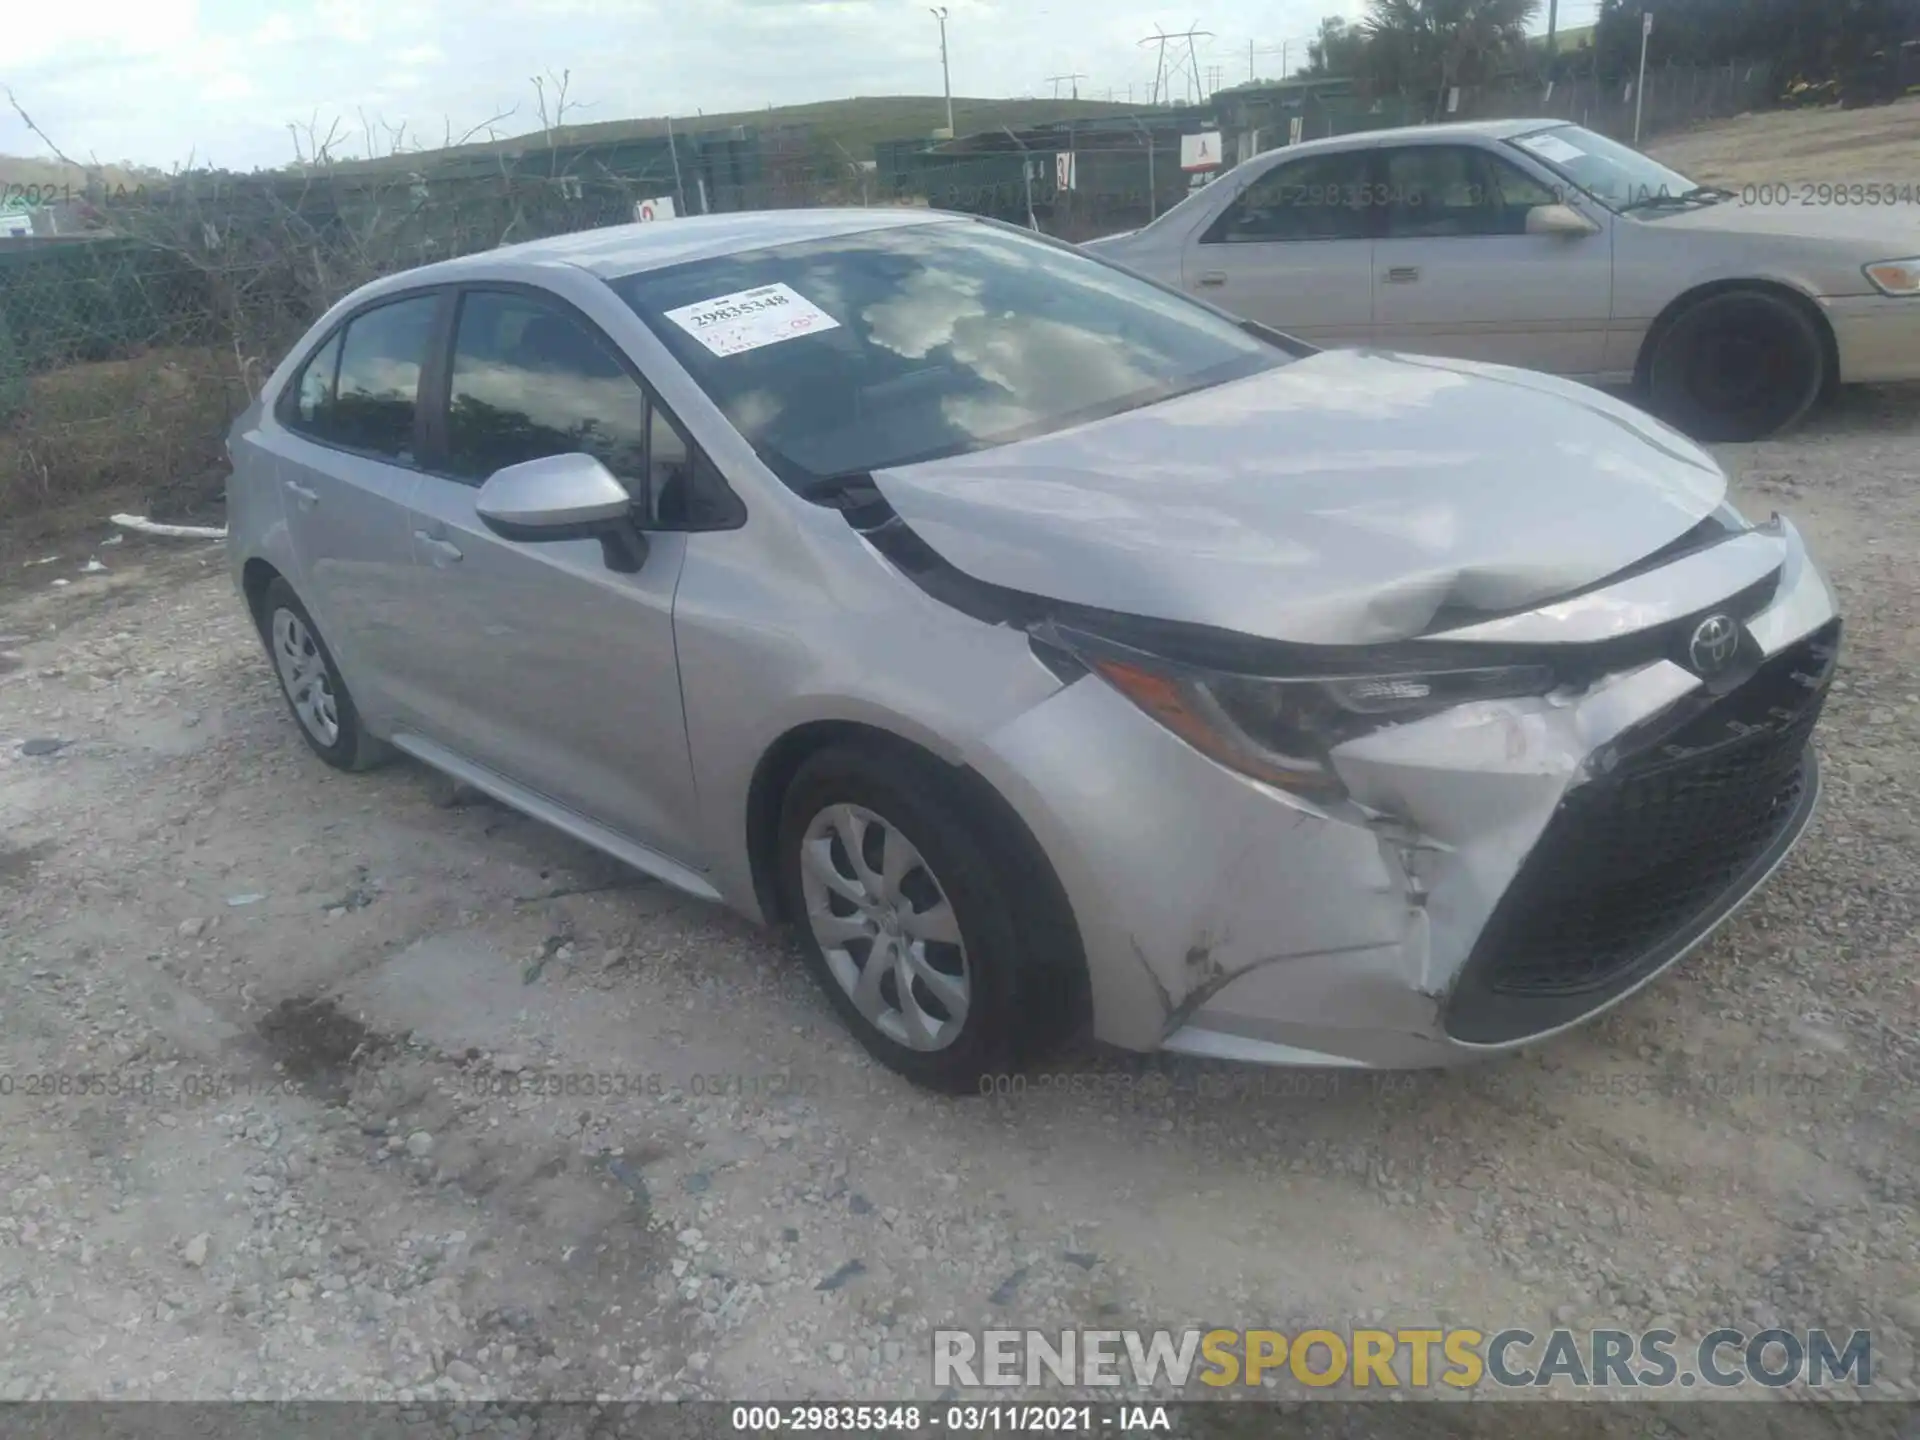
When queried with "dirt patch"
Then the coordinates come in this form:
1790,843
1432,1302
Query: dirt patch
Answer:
17,862
316,1042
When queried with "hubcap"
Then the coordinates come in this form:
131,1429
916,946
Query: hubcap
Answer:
886,927
303,671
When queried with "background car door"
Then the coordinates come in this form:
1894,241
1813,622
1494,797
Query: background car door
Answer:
346,462
1294,250
1457,274
542,664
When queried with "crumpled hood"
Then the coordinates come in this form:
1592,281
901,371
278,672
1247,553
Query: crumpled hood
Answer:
1343,499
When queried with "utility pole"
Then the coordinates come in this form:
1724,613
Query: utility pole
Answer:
1073,80
1553,26
1249,62
946,80
1640,85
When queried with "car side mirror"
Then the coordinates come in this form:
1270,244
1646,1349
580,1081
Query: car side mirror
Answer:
1559,220
564,497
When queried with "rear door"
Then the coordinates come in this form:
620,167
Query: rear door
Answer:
1294,250
1457,273
544,665
345,456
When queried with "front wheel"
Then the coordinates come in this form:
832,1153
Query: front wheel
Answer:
907,920
1737,366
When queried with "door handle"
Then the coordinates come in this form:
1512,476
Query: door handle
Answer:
1403,275
444,552
1214,277
307,498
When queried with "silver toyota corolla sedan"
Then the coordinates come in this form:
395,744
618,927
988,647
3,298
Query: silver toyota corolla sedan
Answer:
1539,243
1044,646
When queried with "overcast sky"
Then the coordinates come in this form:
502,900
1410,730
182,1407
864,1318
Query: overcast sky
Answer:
157,81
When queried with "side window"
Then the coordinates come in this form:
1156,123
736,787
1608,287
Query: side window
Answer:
1513,193
687,490
313,395
528,381
1447,190
1324,197
1435,191
376,397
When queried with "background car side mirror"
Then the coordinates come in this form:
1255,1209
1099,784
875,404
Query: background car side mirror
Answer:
1559,220
564,497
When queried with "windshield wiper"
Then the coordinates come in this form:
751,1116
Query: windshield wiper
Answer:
1698,195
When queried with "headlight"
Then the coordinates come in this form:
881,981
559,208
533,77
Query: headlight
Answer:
1280,729
1896,277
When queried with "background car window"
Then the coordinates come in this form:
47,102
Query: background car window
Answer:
1322,198
376,396
313,397
528,381
1450,190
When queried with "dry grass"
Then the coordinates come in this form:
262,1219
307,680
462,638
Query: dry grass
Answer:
152,424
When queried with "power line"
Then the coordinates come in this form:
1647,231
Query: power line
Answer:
1162,76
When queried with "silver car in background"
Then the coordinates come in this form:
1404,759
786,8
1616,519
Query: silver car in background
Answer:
1044,646
1542,244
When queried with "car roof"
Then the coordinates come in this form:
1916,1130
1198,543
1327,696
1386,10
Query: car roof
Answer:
617,250
1426,134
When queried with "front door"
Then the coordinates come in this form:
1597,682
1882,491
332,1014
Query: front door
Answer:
539,662
1456,272
1293,250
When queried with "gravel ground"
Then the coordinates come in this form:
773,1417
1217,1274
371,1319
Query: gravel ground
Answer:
395,1096
1801,147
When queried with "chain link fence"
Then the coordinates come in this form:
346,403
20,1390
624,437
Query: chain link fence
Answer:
126,354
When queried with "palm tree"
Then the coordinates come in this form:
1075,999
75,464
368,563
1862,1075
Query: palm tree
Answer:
1423,45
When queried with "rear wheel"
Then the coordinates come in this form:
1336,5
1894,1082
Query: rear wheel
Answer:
1740,365
311,682
908,921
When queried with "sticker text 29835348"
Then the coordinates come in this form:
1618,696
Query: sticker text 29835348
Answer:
749,319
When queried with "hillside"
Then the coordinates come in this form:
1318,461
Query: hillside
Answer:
854,123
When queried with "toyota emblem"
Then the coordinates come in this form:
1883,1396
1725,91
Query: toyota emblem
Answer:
1715,641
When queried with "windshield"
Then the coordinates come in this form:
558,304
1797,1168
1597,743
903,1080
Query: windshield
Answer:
1616,176
834,357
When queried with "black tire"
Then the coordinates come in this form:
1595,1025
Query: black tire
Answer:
1737,366
352,748
1017,1006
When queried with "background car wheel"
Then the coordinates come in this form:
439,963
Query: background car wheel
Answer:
910,923
1740,365
310,680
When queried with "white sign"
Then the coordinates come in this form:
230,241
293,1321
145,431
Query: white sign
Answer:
1200,152
749,319
1552,147
1296,128
1646,24
1453,100
658,208
1063,170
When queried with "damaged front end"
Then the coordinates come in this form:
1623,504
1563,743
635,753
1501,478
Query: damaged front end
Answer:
1410,853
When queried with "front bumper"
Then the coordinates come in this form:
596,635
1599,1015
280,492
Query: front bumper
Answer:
1878,337
1477,895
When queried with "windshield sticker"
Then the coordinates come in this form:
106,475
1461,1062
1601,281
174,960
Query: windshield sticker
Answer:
1552,147
749,319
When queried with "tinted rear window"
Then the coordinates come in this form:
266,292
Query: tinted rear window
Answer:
834,357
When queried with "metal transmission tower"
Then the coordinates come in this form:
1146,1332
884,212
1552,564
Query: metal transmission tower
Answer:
1163,76
1074,80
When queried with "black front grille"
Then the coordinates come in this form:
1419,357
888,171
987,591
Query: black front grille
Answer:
1638,860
